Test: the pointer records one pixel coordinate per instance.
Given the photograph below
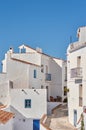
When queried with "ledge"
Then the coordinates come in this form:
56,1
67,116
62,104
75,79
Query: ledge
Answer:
42,122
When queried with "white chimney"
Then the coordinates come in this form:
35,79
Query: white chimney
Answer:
38,49
11,50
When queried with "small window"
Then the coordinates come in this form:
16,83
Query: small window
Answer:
42,68
42,86
46,69
23,50
35,73
11,84
79,61
27,103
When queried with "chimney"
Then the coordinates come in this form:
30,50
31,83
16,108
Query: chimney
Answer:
38,49
11,50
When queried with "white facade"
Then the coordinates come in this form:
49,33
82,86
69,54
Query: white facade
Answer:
14,102
49,71
38,102
7,126
24,117
76,66
4,93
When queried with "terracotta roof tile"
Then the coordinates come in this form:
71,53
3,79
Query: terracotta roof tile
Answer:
5,116
2,106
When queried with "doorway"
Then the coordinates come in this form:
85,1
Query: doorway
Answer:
75,117
47,89
36,124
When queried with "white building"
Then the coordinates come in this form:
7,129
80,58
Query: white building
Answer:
26,106
76,66
33,69
24,80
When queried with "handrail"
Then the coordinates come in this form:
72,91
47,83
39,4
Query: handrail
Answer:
42,122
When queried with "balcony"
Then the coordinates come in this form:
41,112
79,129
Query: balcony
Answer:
80,101
48,77
76,72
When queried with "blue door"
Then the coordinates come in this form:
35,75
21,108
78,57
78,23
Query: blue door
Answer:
75,117
36,124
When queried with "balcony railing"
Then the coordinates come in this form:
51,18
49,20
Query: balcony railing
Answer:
80,101
77,45
48,77
76,72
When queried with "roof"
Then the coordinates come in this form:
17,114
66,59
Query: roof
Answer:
24,62
27,47
2,106
5,116
41,52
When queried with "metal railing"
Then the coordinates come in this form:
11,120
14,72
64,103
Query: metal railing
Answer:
77,45
76,72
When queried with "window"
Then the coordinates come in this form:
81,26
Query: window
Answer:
80,95
23,50
27,103
42,68
47,89
35,73
79,61
42,86
65,73
46,69
11,84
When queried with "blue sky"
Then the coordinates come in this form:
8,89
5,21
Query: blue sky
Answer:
47,24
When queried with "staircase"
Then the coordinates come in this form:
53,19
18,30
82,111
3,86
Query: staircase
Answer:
58,120
58,111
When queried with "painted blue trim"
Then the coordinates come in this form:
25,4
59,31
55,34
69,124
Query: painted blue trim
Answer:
36,124
27,103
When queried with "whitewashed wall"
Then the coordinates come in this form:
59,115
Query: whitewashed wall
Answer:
73,95
50,106
22,124
34,58
64,78
42,127
4,66
21,74
38,102
40,79
3,77
7,126
28,49
4,93
56,71
18,72
82,34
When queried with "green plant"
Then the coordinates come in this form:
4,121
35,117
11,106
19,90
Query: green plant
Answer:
66,89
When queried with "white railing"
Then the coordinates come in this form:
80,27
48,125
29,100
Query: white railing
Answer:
76,72
77,45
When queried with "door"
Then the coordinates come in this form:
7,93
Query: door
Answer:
75,117
47,89
36,124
